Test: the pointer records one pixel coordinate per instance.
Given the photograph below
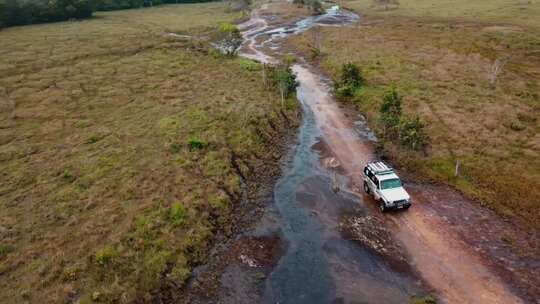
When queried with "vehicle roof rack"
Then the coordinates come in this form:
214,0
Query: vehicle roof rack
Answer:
380,168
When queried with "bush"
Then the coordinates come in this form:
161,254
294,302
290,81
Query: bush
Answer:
390,115
284,79
391,103
316,6
412,134
409,132
68,176
228,28
5,249
177,214
351,80
196,143
105,255
249,65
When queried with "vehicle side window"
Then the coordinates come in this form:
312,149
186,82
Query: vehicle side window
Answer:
376,181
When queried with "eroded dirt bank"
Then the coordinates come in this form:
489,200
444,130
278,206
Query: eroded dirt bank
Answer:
335,247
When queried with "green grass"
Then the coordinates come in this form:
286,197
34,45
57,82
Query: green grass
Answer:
105,125
516,12
442,71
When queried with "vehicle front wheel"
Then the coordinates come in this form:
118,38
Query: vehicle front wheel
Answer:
366,188
382,206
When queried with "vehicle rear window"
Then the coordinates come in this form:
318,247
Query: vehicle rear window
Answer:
391,183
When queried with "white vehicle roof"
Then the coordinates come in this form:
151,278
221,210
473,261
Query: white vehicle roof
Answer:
382,171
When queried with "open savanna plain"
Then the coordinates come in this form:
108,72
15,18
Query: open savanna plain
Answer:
441,56
124,152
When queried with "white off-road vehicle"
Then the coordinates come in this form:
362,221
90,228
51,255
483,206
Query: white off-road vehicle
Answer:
381,181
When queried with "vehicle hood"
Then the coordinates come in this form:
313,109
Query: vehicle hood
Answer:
396,194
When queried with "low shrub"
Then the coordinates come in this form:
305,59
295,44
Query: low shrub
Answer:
351,80
105,255
177,213
390,115
412,133
5,249
196,143
68,176
249,65
409,132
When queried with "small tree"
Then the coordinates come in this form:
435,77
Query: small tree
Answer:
351,80
284,79
315,6
412,134
390,114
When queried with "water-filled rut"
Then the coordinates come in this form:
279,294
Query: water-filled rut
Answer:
319,190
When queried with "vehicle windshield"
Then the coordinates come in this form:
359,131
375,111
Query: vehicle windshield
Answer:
390,183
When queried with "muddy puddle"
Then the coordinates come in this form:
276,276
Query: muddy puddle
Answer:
326,240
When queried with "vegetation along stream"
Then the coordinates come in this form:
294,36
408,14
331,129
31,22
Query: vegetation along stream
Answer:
339,247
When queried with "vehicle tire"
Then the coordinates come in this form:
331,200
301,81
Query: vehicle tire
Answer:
366,188
407,207
382,207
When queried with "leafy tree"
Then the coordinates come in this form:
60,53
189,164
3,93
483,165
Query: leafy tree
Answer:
351,80
316,6
390,114
284,79
412,134
409,132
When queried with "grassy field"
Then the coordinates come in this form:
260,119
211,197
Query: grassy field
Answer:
122,152
518,12
441,66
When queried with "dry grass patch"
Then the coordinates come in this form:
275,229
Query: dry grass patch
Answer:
122,151
514,12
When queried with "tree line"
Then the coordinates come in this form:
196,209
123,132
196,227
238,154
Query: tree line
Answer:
21,12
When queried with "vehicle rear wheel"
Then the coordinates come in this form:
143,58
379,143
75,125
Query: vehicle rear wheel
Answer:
382,206
366,188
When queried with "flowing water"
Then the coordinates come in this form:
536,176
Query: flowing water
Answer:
320,266
319,187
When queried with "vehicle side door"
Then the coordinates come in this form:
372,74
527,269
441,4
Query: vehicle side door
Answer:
376,189
371,180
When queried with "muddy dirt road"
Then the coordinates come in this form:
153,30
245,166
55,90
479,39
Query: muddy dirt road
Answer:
336,246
